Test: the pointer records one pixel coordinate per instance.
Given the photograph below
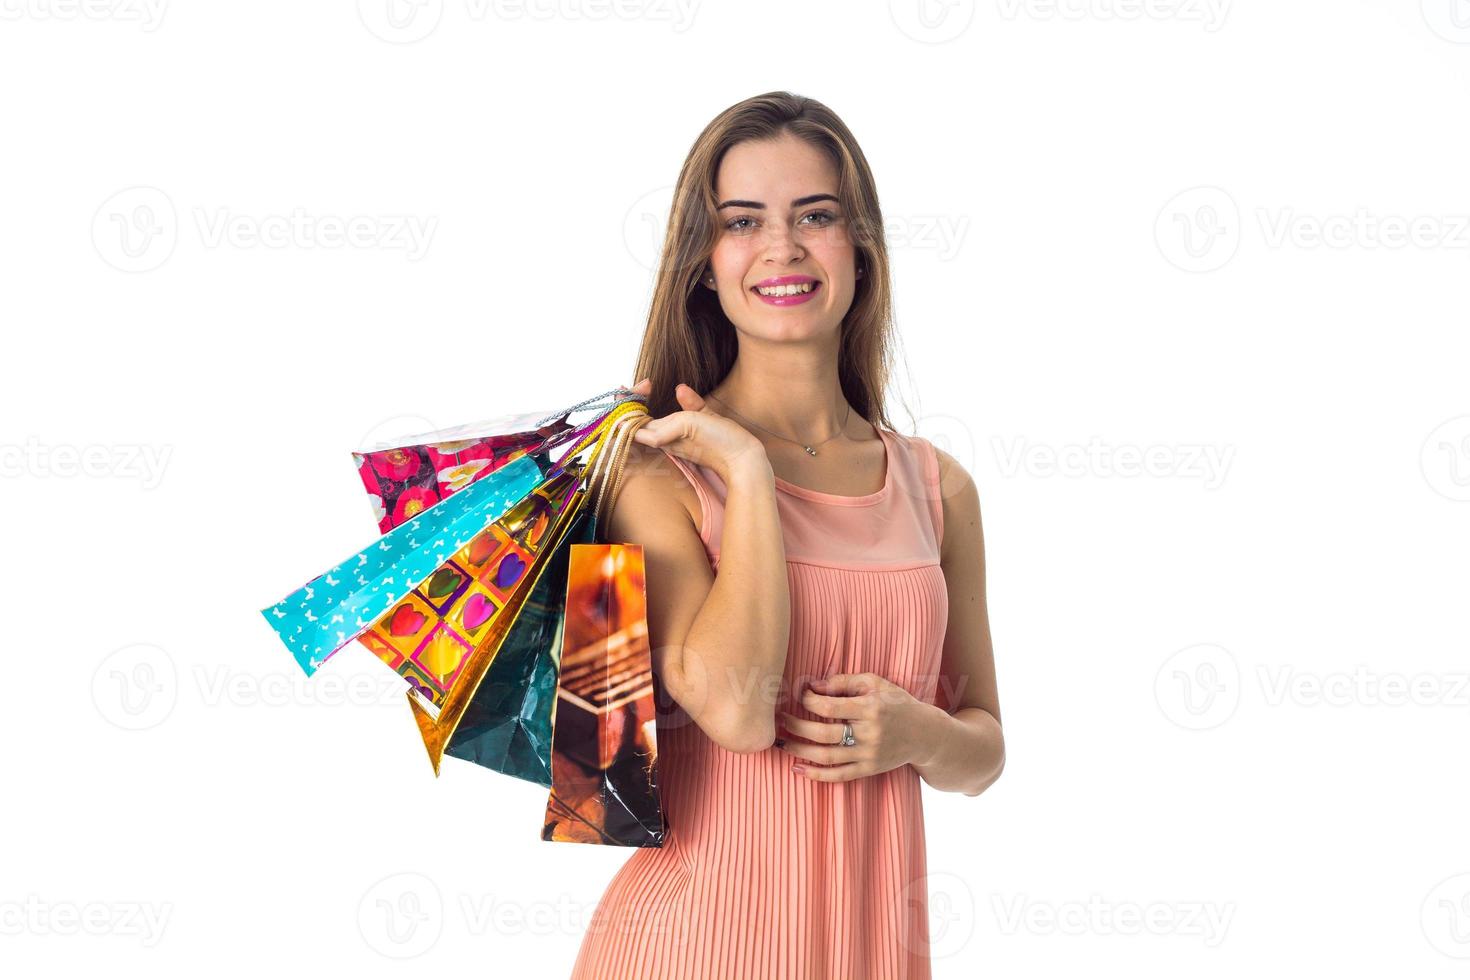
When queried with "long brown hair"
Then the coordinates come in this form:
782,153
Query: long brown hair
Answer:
688,337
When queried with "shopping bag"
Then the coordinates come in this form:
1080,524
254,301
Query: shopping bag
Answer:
428,636
331,610
507,725
419,471
604,743
334,608
484,599
511,721
403,481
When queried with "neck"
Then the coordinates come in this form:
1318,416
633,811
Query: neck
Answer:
803,403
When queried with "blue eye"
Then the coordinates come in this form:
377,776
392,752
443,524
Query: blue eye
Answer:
826,219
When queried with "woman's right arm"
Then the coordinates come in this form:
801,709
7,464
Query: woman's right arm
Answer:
719,640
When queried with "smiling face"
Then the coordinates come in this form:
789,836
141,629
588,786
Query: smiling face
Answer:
782,230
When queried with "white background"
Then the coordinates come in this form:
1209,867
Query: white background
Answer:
1234,692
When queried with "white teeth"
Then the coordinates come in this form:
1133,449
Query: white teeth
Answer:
790,290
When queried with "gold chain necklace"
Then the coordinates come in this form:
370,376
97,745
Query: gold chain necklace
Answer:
809,449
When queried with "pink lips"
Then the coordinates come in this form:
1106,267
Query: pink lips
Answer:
793,300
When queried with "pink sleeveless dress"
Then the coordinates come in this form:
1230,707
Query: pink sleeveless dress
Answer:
765,874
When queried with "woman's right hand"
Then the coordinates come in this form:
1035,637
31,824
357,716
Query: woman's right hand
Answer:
701,435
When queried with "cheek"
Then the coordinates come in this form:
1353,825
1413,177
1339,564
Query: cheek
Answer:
729,257
835,258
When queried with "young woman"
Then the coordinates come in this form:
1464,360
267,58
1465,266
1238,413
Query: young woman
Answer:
815,579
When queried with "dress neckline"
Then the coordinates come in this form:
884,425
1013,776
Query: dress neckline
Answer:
842,500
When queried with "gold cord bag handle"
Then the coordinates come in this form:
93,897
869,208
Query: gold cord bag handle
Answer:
619,443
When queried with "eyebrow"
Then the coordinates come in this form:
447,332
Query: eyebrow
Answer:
810,198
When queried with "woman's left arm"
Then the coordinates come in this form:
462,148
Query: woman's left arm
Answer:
954,744
966,749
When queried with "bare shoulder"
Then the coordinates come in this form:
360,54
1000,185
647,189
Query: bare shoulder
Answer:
961,500
652,488
952,476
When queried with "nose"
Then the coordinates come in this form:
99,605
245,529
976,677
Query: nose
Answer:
781,246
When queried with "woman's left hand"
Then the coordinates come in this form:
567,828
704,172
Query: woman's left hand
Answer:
888,723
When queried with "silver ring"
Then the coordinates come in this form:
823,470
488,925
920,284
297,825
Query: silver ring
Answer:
847,738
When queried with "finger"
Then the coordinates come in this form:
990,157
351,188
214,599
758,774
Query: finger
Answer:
833,707
651,434
689,398
846,685
825,755
643,387
834,774
817,731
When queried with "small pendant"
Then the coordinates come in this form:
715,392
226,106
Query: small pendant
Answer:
810,450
